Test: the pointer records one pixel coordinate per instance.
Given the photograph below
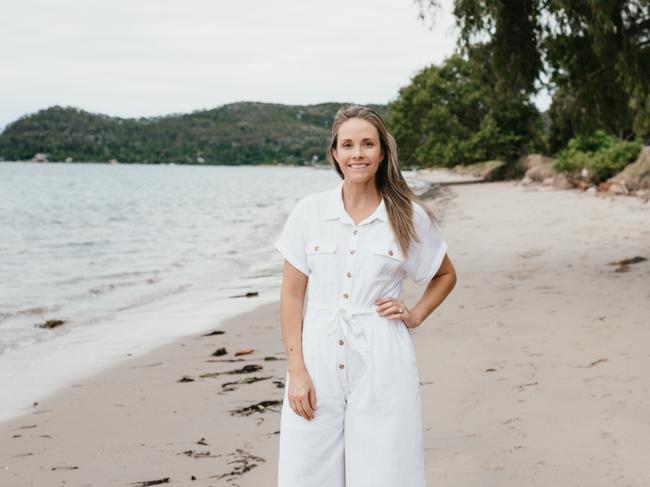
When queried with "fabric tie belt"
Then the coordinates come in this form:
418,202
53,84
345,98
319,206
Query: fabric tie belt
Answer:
351,329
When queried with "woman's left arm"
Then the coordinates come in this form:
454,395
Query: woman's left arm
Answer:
437,290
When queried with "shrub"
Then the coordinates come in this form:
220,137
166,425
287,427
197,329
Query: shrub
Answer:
601,154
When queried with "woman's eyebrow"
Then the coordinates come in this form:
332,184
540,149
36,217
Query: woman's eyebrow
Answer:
365,138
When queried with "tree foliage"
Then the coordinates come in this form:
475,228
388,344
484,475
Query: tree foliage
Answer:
238,133
595,54
451,114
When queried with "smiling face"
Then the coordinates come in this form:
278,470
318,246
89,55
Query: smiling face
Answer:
358,150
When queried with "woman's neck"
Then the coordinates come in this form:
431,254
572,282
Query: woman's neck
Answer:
360,199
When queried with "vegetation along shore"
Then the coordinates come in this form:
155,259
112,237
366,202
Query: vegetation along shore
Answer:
475,107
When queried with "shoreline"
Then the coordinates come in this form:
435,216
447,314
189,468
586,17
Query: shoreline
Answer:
47,367
59,357
126,294
136,393
532,371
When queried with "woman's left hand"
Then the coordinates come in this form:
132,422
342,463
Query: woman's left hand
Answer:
395,309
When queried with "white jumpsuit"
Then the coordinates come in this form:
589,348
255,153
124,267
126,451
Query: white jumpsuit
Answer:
367,430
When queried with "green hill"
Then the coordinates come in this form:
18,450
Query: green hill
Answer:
237,133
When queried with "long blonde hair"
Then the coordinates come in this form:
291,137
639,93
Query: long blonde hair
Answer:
398,197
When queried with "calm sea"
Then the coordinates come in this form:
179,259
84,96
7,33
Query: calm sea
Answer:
129,256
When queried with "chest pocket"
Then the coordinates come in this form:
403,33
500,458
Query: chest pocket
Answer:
321,259
387,259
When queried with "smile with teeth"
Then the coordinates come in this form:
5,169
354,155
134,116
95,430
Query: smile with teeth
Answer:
358,165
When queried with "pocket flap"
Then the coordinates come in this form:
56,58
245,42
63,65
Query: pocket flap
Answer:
319,246
388,249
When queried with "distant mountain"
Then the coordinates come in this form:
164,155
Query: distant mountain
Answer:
237,133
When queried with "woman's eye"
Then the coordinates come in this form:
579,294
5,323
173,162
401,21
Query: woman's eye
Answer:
369,144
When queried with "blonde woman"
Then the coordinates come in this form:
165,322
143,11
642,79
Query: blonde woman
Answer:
351,413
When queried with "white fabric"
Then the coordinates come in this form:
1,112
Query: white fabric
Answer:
367,428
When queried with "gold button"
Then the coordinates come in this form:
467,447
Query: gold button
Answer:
316,248
341,366
345,296
349,274
352,251
355,232
340,342
390,252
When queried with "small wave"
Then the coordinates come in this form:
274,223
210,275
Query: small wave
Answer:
155,297
102,288
33,311
108,287
87,243
114,275
120,275
38,310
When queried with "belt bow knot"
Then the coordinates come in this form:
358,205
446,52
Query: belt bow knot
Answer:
351,329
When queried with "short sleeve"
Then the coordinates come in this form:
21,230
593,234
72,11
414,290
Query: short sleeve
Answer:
291,243
425,257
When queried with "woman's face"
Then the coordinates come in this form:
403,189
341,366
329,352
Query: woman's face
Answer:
358,150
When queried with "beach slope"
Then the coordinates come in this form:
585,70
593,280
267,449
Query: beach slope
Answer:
533,372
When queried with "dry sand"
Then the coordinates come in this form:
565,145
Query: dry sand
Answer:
535,371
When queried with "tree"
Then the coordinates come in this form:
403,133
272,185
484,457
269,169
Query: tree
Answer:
450,114
595,53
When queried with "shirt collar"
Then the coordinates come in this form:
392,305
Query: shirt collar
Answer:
336,209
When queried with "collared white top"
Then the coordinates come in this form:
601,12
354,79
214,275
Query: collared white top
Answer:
350,265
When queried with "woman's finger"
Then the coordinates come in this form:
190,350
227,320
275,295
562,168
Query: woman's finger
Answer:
312,398
306,407
295,407
385,300
392,307
393,317
387,305
300,410
398,313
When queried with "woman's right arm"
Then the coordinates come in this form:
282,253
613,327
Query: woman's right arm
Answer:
301,394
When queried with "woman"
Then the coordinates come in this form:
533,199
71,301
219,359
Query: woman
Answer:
351,413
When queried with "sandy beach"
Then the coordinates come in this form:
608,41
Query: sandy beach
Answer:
533,372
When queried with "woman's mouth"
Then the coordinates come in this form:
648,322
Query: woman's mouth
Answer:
358,165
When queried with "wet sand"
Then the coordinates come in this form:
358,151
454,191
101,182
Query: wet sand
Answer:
533,372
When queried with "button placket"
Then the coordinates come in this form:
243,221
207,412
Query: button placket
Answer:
341,360
349,265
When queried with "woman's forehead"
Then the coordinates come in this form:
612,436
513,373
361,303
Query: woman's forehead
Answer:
357,128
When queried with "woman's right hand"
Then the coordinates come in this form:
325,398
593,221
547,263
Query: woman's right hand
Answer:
302,396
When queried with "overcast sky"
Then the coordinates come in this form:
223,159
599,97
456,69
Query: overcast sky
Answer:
135,58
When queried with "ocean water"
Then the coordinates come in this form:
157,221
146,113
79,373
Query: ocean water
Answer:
130,257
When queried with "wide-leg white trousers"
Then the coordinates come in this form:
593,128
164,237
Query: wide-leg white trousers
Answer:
367,430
